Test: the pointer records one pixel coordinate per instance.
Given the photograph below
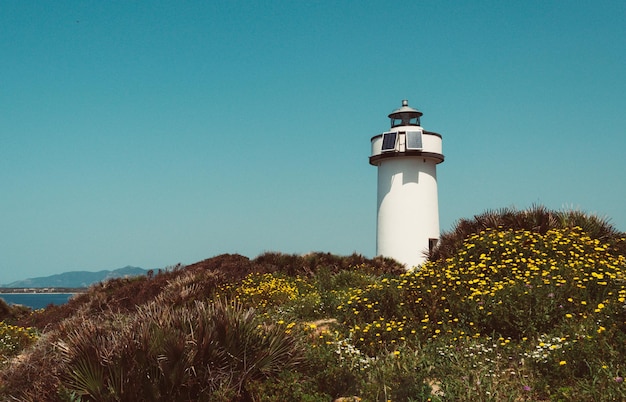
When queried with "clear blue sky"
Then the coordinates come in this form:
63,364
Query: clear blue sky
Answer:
151,133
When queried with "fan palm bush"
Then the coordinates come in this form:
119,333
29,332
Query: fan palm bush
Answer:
189,353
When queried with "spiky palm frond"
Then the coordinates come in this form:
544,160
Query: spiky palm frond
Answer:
174,354
87,378
84,353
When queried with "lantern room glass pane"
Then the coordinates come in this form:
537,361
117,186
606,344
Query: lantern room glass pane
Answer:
405,121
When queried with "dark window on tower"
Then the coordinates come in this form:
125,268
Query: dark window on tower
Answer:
389,141
432,243
413,140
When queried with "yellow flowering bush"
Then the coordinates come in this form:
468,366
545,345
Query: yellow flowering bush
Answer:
272,292
13,339
516,283
519,283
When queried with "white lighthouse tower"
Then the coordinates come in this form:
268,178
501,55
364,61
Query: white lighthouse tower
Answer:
408,208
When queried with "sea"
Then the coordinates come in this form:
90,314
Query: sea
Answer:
36,300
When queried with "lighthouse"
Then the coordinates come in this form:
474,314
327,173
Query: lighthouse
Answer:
408,210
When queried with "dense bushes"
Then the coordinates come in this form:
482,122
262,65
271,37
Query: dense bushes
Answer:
537,219
535,312
12,313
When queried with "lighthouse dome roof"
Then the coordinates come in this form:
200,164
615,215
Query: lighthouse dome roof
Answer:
405,110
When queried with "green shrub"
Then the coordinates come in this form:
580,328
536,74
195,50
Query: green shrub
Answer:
14,339
287,386
398,376
334,373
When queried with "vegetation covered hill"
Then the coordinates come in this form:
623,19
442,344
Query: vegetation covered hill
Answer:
513,305
76,279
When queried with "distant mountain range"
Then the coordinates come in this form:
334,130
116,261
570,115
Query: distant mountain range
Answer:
75,279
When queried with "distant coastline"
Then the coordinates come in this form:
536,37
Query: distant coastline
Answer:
42,290
38,298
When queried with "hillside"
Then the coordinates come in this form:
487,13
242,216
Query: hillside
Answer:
76,279
514,305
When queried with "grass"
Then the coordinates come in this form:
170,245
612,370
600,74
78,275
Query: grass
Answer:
526,306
